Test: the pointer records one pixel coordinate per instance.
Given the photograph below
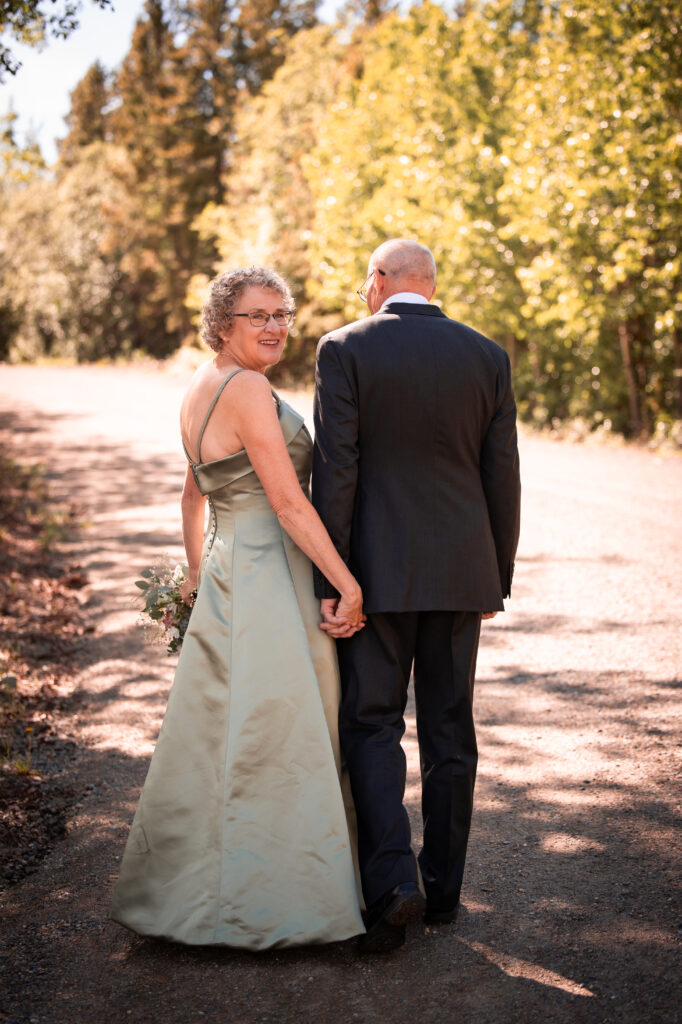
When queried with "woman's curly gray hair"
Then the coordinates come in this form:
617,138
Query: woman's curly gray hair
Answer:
227,289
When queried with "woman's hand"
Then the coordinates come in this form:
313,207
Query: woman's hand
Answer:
349,608
342,616
188,590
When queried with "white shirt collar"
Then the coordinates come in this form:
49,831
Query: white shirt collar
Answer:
407,297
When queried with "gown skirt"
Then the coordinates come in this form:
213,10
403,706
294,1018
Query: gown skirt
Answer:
241,836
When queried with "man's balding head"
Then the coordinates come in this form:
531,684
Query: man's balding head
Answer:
402,266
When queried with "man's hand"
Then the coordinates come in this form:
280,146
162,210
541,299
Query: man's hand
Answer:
328,606
488,615
336,625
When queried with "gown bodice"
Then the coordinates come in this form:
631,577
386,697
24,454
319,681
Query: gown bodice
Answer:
231,483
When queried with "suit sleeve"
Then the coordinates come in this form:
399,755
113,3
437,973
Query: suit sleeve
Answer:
335,457
501,478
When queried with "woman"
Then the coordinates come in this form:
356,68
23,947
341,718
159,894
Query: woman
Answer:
240,837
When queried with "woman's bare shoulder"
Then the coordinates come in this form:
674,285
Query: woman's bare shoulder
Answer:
200,380
248,391
196,399
250,383
205,377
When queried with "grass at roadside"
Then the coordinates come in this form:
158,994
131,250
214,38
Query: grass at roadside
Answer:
41,630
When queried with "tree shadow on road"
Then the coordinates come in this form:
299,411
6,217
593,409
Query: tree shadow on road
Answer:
568,907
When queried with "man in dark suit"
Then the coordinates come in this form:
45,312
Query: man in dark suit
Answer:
416,477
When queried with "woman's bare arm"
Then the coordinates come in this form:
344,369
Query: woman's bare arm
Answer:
255,417
193,505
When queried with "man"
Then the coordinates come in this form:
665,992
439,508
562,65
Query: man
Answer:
416,477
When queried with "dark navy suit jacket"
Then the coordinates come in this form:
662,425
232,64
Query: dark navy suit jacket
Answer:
416,468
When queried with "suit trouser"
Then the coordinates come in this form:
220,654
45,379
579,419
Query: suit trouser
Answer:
375,667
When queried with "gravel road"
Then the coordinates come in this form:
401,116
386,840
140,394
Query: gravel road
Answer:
571,899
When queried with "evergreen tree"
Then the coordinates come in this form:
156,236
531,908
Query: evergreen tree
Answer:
145,123
263,28
266,216
177,93
366,12
87,118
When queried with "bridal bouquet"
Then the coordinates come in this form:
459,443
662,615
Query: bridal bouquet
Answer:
164,611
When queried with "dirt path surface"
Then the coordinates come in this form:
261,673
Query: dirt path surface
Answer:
571,900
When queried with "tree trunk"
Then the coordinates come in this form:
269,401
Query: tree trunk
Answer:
677,355
633,397
535,366
641,330
511,351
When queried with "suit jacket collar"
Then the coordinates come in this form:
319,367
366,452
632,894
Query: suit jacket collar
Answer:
411,309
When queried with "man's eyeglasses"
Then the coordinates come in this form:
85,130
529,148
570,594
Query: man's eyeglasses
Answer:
283,317
362,292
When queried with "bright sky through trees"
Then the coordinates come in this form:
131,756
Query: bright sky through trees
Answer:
39,92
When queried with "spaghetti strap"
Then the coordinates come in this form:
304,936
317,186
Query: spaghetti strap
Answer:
210,410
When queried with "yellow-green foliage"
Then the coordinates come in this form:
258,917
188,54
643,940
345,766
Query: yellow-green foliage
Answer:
534,146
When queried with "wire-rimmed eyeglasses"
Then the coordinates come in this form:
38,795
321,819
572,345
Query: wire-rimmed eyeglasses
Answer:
283,317
362,292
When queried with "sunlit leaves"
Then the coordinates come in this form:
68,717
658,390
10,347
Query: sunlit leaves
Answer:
592,186
536,149
535,146
61,247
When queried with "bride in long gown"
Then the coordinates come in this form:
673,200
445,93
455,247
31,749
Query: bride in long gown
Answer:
241,835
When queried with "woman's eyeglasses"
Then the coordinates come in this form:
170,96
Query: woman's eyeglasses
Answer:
283,317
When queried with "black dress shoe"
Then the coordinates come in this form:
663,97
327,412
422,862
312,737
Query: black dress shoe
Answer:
382,938
437,915
385,920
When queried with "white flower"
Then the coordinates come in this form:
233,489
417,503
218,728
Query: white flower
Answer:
173,632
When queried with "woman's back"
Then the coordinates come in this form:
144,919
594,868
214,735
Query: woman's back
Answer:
220,438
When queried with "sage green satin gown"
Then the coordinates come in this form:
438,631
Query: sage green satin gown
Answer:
241,837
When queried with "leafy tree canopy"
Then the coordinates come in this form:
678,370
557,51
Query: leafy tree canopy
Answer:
535,146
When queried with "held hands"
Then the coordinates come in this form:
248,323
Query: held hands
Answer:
342,616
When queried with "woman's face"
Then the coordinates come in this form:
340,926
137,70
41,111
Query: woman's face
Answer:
253,346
